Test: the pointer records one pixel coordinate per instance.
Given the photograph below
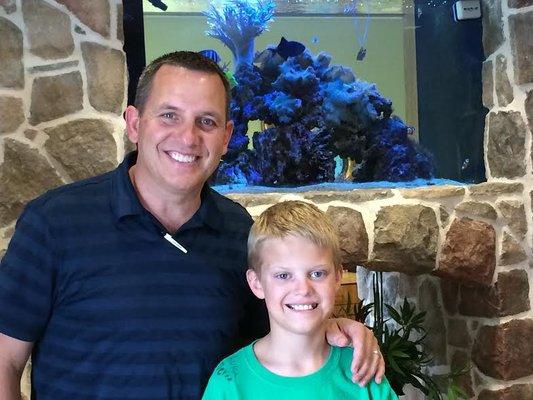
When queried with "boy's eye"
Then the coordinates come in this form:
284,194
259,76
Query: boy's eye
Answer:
282,275
317,274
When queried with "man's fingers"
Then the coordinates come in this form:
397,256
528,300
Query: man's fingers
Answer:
369,369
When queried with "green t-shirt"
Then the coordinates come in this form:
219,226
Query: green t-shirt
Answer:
242,377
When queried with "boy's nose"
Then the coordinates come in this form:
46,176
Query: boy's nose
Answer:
303,287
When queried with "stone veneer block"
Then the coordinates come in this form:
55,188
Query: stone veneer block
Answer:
405,239
55,96
492,25
95,14
433,192
529,109
468,252
504,91
9,6
106,91
450,295
435,342
120,22
507,144
494,188
84,147
251,200
477,209
458,335
11,114
505,351
514,214
353,237
509,295
11,68
352,196
514,392
488,84
521,32
19,180
512,252
48,30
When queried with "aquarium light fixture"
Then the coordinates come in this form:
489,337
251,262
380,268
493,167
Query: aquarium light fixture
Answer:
469,9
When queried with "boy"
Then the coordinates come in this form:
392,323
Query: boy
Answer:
294,260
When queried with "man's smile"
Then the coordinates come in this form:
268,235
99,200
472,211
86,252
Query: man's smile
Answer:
180,157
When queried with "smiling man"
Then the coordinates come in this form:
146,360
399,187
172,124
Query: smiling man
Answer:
131,284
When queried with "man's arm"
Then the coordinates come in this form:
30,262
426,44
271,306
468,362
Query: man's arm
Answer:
367,359
14,354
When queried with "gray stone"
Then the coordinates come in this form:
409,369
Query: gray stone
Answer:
512,252
9,6
529,109
48,30
521,32
514,392
120,22
19,180
11,115
54,67
352,233
506,147
435,341
514,214
458,334
95,14
55,96
504,91
84,147
468,252
405,239
352,196
251,200
477,209
492,25
106,90
433,192
495,188
11,68
488,84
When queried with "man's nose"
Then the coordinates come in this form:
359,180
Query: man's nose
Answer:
188,134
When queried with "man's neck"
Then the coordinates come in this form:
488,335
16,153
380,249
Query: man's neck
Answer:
172,210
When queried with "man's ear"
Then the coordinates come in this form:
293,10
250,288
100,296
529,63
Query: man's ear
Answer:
132,117
227,135
255,284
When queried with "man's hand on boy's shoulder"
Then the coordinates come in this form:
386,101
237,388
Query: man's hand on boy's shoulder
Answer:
367,359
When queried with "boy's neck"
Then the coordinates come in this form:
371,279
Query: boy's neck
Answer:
292,355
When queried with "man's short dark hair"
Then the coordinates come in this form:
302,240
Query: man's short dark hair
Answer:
187,59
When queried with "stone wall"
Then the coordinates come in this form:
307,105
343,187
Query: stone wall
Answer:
461,253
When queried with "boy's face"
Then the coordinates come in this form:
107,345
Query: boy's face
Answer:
298,281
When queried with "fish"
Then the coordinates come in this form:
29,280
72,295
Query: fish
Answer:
466,162
288,48
361,54
211,54
315,39
159,4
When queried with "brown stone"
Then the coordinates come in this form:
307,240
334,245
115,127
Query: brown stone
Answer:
512,252
495,188
492,26
19,180
106,90
507,144
488,84
468,252
352,235
120,22
450,295
251,200
508,296
84,147
458,334
405,239
477,209
55,96
521,33
504,91
9,6
95,14
505,351
460,361
435,341
11,68
529,109
514,214
11,115
48,29
433,192
352,196
515,392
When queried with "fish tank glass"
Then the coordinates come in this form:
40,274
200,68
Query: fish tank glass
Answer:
364,92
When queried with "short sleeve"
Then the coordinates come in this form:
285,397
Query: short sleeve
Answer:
27,274
221,385
381,391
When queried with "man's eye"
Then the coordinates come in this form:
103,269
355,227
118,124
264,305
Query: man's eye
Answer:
168,115
207,122
317,274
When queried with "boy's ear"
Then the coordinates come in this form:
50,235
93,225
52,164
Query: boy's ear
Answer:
255,284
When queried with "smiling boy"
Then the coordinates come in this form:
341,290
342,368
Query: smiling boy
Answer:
295,266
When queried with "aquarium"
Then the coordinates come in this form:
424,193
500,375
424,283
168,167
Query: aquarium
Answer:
365,93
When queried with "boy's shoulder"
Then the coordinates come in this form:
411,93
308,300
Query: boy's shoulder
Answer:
231,366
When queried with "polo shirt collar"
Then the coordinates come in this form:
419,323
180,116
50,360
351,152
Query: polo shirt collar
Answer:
124,200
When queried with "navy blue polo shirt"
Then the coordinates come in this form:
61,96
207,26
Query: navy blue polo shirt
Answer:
115,310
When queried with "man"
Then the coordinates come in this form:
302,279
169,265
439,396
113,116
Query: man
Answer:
130,285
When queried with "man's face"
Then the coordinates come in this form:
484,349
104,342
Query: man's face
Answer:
181,133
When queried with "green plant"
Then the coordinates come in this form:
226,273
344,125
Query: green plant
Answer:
402,347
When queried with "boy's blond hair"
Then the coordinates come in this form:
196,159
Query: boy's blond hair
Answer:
293,218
